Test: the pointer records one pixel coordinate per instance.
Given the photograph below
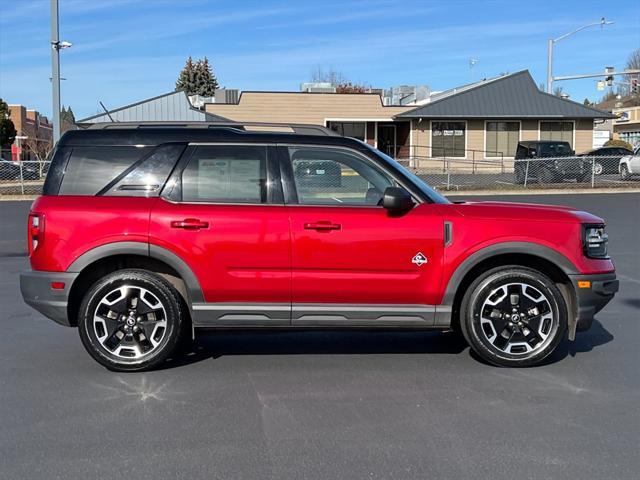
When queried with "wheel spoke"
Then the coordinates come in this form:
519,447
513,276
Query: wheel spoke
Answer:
129,322
516,318
532,337
114,339
503,339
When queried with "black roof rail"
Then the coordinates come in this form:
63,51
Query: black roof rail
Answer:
296,128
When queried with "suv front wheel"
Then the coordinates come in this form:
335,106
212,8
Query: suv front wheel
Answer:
130,320
513,316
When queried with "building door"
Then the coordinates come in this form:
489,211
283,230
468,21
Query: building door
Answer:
387,139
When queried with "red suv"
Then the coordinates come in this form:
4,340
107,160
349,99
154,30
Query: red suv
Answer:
147,233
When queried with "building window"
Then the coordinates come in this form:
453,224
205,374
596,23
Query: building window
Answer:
349,129
557,131
502,139
633,138
448,139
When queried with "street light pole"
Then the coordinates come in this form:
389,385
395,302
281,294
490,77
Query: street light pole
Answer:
552,41
550,66
55,70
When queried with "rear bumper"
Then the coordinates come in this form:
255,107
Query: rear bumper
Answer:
590,301
37,293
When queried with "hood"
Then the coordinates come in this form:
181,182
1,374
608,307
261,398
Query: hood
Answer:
525,211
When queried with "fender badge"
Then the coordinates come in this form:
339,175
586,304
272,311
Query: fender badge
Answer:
419,259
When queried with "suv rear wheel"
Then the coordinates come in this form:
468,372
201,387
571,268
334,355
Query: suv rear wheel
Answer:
513,316
130,320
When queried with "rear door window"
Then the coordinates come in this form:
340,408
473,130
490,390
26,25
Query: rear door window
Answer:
226,174
90,169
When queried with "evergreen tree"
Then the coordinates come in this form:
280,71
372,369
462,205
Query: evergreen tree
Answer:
66,115
197,78
7,128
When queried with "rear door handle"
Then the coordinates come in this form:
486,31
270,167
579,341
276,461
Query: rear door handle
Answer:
189,224
322,225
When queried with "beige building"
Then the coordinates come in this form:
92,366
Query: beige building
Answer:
626,125
482,121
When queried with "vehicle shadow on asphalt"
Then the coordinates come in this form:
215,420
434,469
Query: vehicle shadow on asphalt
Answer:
212,345
633,302
596,336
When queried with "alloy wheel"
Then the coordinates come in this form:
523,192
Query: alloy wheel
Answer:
598,169
130,322
517,319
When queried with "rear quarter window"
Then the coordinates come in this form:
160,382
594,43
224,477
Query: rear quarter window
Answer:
90,169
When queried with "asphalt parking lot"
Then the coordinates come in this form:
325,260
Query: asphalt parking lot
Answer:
325,405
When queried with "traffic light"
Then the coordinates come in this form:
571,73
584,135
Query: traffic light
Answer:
609,78
634,86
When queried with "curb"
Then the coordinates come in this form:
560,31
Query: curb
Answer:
19,198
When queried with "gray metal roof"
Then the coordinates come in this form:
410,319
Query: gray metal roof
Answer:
510,96
170,107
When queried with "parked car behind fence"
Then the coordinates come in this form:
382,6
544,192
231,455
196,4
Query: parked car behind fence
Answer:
606,159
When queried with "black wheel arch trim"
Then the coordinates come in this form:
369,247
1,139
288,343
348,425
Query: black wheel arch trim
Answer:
146,250
527,248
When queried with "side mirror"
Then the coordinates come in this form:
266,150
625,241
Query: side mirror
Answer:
396,200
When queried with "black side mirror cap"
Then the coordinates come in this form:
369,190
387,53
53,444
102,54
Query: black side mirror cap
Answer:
397,200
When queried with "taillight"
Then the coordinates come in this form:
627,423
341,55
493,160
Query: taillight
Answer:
36,231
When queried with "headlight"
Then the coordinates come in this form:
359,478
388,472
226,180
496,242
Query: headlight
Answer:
594,241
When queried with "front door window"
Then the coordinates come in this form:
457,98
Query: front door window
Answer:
325,176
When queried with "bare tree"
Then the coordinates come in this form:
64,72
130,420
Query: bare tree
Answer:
332,76
633,63
40,148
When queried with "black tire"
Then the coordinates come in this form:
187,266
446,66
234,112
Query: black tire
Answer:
584,177
152,307
518,173
542,333
624,172
547,176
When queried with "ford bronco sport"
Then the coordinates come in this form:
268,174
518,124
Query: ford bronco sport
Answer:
147,233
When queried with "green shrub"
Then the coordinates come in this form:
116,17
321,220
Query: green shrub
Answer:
618,143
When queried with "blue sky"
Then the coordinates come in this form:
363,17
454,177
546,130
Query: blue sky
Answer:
128,50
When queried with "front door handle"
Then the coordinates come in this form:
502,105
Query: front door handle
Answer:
189,224
322,226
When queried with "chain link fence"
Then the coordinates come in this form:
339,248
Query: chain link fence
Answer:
24,177
450,174
446,174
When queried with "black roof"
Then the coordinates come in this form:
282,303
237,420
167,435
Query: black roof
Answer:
529,143
156,135
510,96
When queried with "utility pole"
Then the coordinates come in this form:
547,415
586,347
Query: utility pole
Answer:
55,70
552,41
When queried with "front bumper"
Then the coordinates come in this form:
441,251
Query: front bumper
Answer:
589,301
37,293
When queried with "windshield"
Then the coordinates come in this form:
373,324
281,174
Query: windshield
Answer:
555,149
412,177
